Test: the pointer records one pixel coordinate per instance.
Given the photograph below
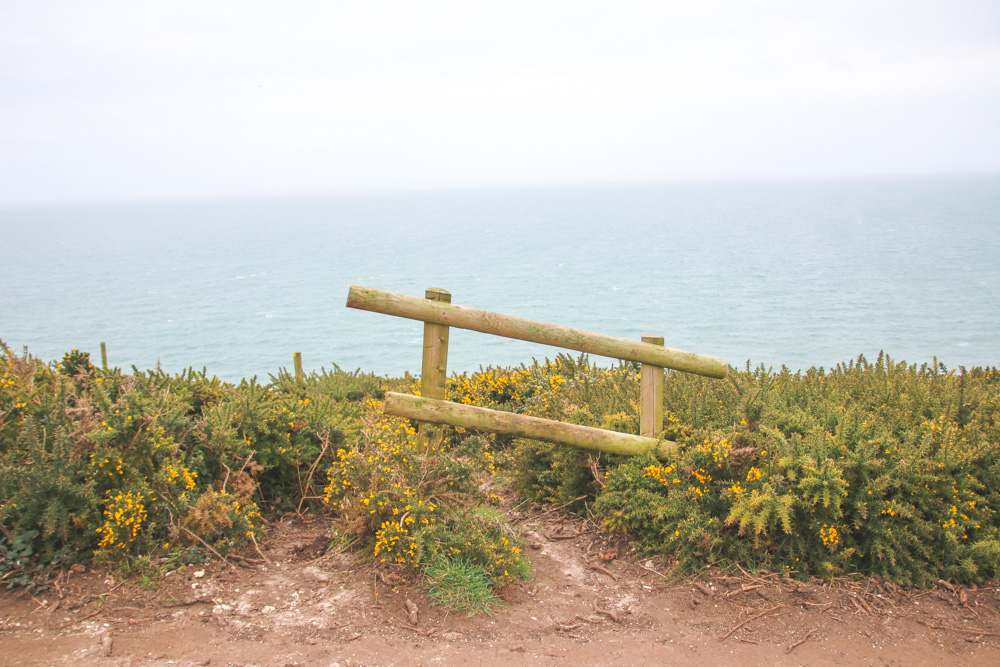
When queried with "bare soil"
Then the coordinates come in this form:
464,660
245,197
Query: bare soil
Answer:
589,601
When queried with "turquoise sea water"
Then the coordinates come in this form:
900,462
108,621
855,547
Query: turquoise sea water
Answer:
793,273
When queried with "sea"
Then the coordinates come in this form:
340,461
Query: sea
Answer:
789,274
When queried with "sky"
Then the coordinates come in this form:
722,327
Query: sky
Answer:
117,100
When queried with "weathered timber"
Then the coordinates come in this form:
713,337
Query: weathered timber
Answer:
297,359
434,371
463,317
651,394
434,367
104,356
483,419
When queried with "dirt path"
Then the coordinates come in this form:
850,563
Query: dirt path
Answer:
587,603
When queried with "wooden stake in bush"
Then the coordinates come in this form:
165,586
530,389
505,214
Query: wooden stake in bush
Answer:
651,401
434,369
299,373
104,356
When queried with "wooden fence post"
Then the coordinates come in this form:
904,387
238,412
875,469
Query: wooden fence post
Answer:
104,356
434,368
651,401
299,374
438,314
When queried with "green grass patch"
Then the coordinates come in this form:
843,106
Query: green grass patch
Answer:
460,585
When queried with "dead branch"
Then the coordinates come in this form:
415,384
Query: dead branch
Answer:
801,641
708,592
752,618
564,537
325,438
220,556
605,571
553,509
257,547
610,614
659,574
973,631
425,633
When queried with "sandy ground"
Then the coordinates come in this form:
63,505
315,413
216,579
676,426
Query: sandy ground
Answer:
589,602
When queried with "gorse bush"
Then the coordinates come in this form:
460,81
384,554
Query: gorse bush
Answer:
875,468
421,507
881,468
568,389
878,468
129,466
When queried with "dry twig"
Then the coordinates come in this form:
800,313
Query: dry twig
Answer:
708,592
743,589
325,438
553,509
801,641
752,618
972,631
649,569
605,571
564,537
259,552
425,633
220,556
610,614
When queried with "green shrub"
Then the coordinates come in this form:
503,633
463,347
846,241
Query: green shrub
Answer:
866,468
419,508
878,468
124,466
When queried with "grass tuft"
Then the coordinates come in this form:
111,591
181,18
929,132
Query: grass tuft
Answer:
461,585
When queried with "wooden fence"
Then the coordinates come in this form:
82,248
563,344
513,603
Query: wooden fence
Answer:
439,315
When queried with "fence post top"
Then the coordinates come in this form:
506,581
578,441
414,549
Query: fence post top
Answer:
437,294
652,338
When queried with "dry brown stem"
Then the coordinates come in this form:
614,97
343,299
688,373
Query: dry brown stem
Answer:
752,618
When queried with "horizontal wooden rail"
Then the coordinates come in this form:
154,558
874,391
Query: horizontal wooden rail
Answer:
440,312
437,411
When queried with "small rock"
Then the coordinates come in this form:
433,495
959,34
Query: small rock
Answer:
106,643
452,636
316,574
411,610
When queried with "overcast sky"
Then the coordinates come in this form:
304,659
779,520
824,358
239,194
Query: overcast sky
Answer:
110,100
